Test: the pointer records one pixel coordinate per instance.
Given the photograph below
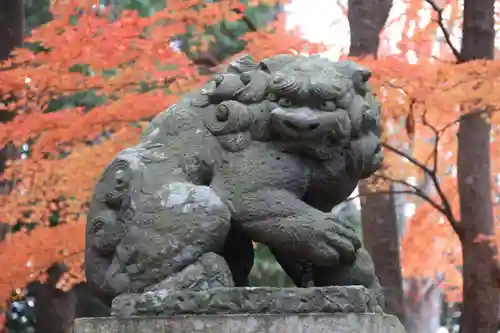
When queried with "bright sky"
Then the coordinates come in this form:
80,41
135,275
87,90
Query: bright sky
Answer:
321,21
324,21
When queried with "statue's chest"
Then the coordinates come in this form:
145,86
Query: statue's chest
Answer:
261,166
330,184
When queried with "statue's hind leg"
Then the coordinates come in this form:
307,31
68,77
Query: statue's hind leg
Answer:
300,272
239,254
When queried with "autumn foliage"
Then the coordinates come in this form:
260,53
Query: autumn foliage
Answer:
423,103
129,63
422,106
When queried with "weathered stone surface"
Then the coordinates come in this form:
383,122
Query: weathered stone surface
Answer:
261,153
289,323
210,271
355,299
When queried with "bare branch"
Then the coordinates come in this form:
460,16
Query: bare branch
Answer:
415,191
437,137
488,111
431,285
251,26
445,209
360,195
444,30
408,157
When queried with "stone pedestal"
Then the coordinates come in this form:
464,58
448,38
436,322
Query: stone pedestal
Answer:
245,323
351,309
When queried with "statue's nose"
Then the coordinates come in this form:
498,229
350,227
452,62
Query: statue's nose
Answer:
301,119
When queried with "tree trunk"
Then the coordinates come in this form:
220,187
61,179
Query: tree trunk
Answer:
381,239
366,20
480,290
55,309
11,36
378,212
11,26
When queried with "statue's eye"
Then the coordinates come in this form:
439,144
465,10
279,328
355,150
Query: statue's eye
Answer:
285,102
328,106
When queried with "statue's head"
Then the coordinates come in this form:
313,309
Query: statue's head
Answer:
312,106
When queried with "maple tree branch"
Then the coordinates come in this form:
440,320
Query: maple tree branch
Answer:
360,195
477,112
431,285
419,54
246,19
444,30
447,126
437,137
445,209
395,86
343,8
426,286
415,191
408,157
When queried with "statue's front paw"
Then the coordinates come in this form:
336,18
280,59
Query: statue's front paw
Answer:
359,273
333,242
363,270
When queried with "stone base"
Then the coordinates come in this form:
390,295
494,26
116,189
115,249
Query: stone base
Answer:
244,323
247,300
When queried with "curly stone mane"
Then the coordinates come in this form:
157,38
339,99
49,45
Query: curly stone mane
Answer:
237,107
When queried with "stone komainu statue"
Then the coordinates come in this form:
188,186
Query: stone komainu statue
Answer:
262,152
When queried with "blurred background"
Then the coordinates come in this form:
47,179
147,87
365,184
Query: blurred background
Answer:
80,79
